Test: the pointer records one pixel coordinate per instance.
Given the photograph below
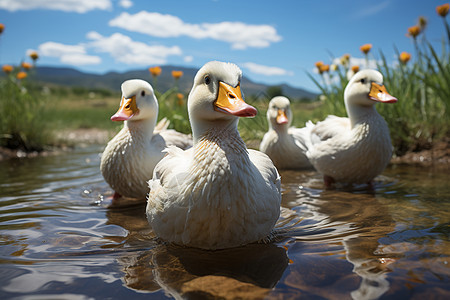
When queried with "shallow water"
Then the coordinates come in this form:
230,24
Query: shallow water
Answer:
58,237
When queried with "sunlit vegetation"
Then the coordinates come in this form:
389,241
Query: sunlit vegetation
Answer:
421,82
30,113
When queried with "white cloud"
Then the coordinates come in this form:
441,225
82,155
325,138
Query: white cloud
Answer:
68,54
188,58
80,59
123,49
125,3
266,70
239,35
371,10
79,6
57,49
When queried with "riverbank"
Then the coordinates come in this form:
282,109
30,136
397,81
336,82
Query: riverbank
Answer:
437,155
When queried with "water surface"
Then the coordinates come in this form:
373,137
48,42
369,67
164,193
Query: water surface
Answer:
59,240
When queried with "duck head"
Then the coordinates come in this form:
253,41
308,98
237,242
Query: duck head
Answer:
138,102
279,114
366,89
216,99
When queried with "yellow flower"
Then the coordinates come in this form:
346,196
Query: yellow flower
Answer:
404,57
366,48
413,31
355,69
177,74
319,64
26,65
34,55
2,27
7,69
21,75
155,71
324,68
443,9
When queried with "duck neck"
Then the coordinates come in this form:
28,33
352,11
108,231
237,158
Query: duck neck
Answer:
143,127
205,128
360,114
280,129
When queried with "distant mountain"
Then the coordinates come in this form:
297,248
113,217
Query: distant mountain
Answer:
113,80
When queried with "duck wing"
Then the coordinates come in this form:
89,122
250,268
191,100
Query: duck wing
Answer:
302,137
163,124
328,128
171,171
267,169
175,138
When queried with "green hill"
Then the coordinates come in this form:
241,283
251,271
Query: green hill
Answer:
112,80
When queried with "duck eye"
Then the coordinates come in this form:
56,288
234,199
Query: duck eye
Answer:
363,80
207,79
143,93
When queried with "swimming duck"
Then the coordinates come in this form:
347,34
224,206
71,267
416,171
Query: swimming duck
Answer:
285,145
218,194
358,148
129,158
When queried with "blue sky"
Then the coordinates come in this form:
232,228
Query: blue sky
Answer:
272,41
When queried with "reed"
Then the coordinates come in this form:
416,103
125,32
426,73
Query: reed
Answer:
421,82
21,109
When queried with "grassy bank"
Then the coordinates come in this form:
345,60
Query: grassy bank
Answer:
420,81
30,113
36,121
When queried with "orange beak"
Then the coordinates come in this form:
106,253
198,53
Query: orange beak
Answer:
230,101
281,117
379,93
127,109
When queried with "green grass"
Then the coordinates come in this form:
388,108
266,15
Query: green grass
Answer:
21,108
79,112
30,113
422,86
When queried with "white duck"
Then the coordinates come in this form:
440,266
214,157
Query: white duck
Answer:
358,148
285,145
218,194
129,158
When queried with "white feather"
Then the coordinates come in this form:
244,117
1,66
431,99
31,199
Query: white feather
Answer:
217,194
129,158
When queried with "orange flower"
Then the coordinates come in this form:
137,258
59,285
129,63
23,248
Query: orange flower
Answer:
413,31
319,64
2,27
366,48
180,98
26,65
404,57
155,71
443,9
345,59
34,56
7,69
21,75
177,74
324,68
355,69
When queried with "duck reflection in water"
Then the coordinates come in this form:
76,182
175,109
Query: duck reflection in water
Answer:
333,240
337,224
242,272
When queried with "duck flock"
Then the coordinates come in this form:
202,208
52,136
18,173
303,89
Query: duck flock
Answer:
208,190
